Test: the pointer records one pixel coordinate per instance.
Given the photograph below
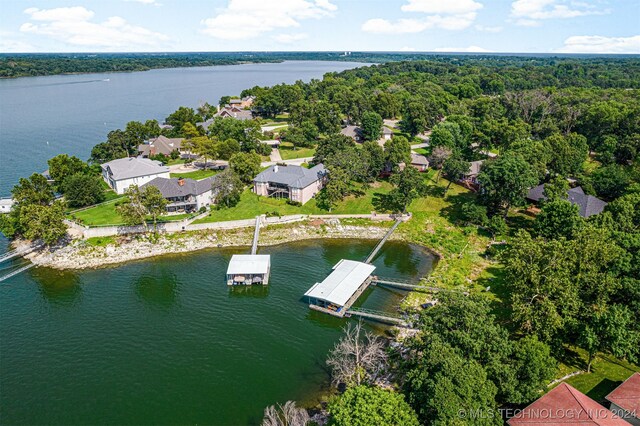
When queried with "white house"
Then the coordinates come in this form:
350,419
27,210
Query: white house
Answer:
124,172
6,204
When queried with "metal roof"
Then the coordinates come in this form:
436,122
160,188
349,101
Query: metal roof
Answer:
627,395
342,283
249,264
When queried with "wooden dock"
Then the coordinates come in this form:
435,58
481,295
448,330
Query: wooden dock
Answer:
370,314
384,239
256,233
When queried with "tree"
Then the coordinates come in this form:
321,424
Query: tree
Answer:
439,155
448,135
34,190
409,185
610,182
226,149
285,415
372,156
557,219
82,190
364,406
534,368
245,165
454,169
611,330
397,150
439,383
336,188
568,153
331,145
189,130
475,214
181,116
44,222
357,358
505,182
227,188
62,166
556,189
205,147
371,126
141,203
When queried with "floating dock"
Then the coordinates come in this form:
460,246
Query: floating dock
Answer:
341,288
249,269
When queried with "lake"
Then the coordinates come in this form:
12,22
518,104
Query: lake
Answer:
41,117
166,341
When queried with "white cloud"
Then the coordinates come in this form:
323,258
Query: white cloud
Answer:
442,7
72,25
469,49
528,13
149,2
289,38
487,29
447,15
407,49
10,43
600,44
246,19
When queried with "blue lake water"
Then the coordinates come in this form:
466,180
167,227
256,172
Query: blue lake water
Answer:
41,117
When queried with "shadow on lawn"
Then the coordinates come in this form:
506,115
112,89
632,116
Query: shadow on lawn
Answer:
602,389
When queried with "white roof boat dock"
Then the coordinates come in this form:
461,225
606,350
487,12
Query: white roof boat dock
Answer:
249,269
342,287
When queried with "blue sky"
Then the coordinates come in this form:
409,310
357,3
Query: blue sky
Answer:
576,26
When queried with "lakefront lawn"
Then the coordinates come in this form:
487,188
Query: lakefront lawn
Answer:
287,151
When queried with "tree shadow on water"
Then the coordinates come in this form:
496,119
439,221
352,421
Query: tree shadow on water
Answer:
158,291
59,288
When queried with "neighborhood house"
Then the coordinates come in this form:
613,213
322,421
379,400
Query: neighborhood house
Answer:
588,205
160,145
420,162
293,182
184,195
625,400
124,172
354,132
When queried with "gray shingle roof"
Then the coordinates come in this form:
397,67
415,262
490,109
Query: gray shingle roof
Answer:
292,176
126,168
474,168
588,205
170,188
418,159
351,131
160,145
239,114
386,131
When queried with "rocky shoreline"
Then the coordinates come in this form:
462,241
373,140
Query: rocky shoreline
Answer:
79,254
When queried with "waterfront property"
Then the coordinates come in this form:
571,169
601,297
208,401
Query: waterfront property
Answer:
341,288
245,102
124,172
588,205
565,399
160,145
235,112
6,204
625,400
248,269
296,183
184,195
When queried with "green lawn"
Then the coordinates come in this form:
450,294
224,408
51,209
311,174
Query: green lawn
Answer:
197,175
288,153
423,151
106,214
171,162
252,205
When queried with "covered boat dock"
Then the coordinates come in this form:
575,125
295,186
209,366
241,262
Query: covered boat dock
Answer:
248,269
341,288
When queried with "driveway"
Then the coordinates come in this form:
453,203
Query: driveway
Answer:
275,155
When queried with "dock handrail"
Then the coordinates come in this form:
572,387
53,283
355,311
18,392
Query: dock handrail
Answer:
17,271
256,234
382,241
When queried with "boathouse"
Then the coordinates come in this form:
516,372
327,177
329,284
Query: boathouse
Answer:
342,287
248,269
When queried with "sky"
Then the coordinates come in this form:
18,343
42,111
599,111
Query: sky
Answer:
517,26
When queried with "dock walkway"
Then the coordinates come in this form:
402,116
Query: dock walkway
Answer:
256,234
17,271
384,317
377,248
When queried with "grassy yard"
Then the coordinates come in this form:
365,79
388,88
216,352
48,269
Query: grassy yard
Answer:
287,152
252,205
106,214
197,175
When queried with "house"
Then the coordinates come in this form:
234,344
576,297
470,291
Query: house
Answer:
160,145
625,400
293,182
124,172
235,112
420,162
243,103
184,195
387,133
354,132
565,405
6,204
588,205
273,143
474,170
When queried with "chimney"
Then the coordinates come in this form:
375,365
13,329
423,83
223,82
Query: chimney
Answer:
181,181
275,169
